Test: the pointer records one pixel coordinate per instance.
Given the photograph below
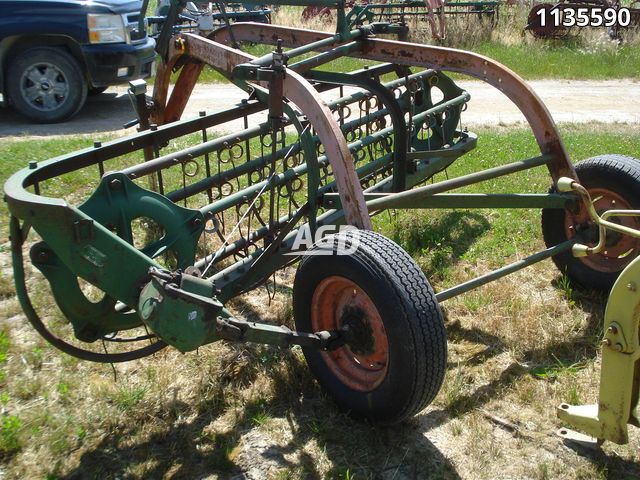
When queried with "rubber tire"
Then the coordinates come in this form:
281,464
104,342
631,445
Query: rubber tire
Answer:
70,68
412,319
93,91
617,173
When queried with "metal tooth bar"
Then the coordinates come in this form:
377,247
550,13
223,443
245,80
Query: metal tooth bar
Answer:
137,171
239,244
281,178
115,148
245,168
142,169
504,271
230,174
262,232
403,198
474,200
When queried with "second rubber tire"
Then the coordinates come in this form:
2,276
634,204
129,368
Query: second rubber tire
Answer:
613,182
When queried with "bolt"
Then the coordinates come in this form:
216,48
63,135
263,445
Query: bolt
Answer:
97,144
43,256
33,165
617,347
202,113
606,342
197,222
612,329
115,183
631,286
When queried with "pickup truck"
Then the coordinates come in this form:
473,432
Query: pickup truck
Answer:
53,53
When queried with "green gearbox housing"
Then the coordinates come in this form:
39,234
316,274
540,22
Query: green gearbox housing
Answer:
183,315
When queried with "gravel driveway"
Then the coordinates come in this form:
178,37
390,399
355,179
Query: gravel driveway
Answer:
574,101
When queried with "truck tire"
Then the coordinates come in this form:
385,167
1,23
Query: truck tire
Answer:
46,84
394,360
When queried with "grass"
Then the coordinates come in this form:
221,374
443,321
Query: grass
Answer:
517,348
569,60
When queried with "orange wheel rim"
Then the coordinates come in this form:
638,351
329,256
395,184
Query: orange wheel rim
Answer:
619,249
339,303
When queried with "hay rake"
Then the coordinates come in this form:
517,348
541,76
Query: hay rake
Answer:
176,222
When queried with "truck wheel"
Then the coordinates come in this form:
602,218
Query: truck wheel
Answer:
613,181
46,84
394,359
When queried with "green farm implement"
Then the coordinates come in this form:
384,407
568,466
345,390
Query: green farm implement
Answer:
174,222
433,12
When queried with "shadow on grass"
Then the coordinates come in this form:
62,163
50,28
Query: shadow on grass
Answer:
438,241
563,354
189,450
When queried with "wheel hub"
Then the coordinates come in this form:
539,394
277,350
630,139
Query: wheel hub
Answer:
44,86
340,304
619,249
357,331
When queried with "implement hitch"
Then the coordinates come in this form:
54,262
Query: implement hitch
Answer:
619,395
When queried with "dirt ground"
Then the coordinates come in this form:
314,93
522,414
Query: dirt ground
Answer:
570,101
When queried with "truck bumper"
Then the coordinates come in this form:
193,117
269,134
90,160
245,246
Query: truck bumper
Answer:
111,64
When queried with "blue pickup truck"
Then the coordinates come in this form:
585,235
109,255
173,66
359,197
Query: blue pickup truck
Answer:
53,53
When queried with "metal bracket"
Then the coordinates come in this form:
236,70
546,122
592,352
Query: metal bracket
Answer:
614,338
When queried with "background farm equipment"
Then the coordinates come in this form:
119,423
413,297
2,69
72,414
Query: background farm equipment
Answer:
550,29
176,224
204,17
403,11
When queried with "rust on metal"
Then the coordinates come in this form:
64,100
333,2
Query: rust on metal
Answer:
338,303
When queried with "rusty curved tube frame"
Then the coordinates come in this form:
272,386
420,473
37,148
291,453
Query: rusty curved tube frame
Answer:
440,58
298,90
199,51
